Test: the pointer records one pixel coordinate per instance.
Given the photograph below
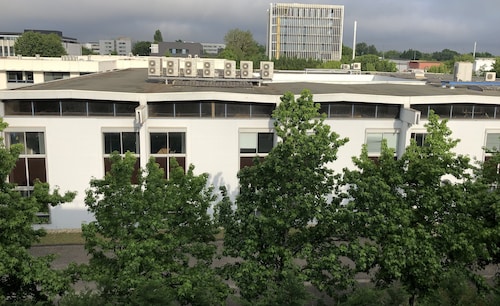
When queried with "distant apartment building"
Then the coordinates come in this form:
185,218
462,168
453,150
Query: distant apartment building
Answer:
119,46
212,48
8,39
305,31
177,49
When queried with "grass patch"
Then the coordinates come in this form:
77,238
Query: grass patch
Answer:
61,238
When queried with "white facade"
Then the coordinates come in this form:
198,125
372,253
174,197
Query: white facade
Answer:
122,46
305,31
483,64
7,41
218,130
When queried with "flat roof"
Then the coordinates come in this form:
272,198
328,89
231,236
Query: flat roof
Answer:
136,80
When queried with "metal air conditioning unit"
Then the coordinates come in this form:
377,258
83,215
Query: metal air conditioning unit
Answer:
345,67
190,69
229,69
356,66
246,69
154,66
208,69
171,67
266,70
490,76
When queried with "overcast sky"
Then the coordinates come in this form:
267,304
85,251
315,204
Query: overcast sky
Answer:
424,25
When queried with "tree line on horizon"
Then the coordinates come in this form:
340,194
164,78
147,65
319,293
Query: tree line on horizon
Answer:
421,226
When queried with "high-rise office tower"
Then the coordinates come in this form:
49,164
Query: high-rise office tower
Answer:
305,31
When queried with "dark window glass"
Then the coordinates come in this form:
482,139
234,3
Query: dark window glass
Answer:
482,111
47,108
101,108
442,110
187,109
158,142
238,110
341,110
112,143
74,108
265,142
18,107
220,109
419,138
364,110
135,174
248,161
262,110
325,109
35,143
161,109
207,108
387,111
130,142
36,167
125,108
18,174
462,111
166,165
176,142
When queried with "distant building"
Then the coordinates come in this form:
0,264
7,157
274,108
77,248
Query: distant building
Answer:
212,48
423,65
177,49
483,64
119,46
305,31
8,39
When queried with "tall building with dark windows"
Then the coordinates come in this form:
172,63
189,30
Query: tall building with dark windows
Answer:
305,31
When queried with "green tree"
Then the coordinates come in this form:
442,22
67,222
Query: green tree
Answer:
152,242
24,278
363,48
279,198
157,37
33,43
445,55
392,54
240,45
87,51
414,211
346,54
411,54
496,66
142,48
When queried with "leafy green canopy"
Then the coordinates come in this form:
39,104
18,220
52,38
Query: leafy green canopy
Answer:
279,199
33,43
152,240
415,211
24,278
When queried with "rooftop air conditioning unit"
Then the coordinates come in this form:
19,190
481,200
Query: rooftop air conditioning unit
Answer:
246,69
266,70
172,67
190,69
490,76
345,67
154,66
208,69
356,66
462,72
229,69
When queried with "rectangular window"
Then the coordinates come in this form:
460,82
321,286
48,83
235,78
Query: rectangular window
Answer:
121,142
492,142
166,145
254,144
374,141
419,138
30,166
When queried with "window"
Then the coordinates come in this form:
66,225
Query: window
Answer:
374,141
254,144
492,142
30,166
419,138
165,145
121,142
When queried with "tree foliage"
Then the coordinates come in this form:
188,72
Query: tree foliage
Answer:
142,48
240,45
33,43
24,278
157,37
414,211
279,198
152,242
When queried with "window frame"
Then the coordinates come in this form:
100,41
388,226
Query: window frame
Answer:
373,154
246,158
163,157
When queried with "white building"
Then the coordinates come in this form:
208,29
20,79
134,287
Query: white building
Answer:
212,48
69,127
482,65
8,39
120,46
305,31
